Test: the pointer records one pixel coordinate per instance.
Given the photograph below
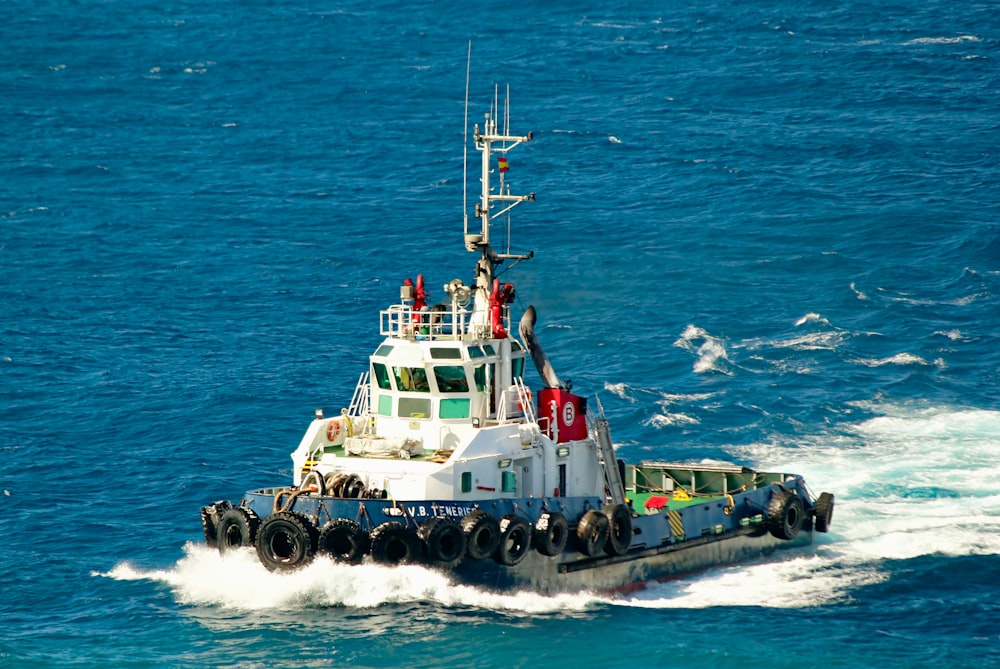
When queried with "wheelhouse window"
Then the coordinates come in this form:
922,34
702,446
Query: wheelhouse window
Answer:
414,407
455,408
382,376
438,353
411,379
451,378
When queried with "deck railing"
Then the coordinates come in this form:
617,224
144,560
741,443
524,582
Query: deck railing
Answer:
400,321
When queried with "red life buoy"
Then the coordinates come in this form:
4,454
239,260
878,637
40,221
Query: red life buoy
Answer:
333,429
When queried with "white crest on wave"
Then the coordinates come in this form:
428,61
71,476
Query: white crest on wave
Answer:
898,359
669,420
942,40
811,317
711,352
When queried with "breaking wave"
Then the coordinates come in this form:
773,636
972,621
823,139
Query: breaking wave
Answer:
898,359
711,351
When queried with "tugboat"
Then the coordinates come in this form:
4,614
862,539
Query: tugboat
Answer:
445,457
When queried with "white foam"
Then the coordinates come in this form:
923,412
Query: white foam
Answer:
670,419
811,317
797,582
620,390
238,581
954,335
815,341
942,40
898,359
712,354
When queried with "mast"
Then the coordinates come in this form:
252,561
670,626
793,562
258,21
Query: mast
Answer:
489,141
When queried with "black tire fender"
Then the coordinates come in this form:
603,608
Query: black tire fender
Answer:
210,517
344,541
354,487
444,542
592,532
237,528
515,540
785,515
551,533
394,543
335,487
482,534
824,512
619,528
286,541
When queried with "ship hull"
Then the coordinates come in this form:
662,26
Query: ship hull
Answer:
628,572
661,544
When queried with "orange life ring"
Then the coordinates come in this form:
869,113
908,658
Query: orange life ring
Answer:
333,429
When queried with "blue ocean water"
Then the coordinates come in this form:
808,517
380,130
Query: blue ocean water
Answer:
764,232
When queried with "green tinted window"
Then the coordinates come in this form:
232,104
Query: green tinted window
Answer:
414,407
411,379
446,353
475,352
518,367
382,376
384,350
489,349
385,405
455,408
451,379
480,376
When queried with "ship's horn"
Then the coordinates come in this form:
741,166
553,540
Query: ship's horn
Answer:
527,330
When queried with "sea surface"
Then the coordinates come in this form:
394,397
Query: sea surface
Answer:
765,232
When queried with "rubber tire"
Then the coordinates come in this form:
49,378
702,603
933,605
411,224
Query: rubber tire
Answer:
444,542
344,541
336,487
317,480
592,532
286,541
482,534
237,528
551,533
824,512
619,528
785,515
210,517
328,481
354,487
515,540
393,543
